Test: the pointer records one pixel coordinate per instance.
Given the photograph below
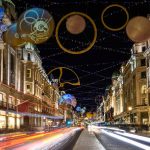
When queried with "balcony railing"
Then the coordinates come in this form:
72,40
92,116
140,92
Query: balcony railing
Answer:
6,105
11,106
3,104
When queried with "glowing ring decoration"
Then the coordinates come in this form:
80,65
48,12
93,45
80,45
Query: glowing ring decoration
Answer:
83,50
61,73
34,19
114,29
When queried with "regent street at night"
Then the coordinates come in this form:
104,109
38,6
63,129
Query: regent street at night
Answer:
74,75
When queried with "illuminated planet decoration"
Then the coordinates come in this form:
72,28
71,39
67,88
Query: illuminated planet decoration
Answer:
78,109
138,29
67,99
1,12
12,37
84,108
82,111
36,25
75,24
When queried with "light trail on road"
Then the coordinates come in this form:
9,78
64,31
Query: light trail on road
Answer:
37,140
132,142
115,138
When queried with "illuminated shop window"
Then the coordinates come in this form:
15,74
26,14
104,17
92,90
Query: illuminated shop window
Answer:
18,123
2,122
11,122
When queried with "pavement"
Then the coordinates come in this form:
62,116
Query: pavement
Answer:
88,141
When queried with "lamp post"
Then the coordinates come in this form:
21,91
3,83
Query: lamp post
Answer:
130,109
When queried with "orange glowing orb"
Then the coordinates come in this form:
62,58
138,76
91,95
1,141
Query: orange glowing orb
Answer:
12,37
138,29
75,24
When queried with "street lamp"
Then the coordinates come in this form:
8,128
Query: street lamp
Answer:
130,108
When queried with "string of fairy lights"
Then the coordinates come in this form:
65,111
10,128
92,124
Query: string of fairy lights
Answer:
85,71
96,64
95,47
100,36
83,85
96,2
103,35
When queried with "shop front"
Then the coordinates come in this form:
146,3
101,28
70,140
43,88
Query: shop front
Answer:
2,120
9,120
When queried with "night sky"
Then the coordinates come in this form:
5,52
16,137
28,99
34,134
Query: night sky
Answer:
94,68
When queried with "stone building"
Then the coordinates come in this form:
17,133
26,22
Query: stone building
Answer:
147,56
129,91
27,96
134,87
108,105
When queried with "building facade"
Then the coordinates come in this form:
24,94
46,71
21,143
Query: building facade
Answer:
129,96
27,97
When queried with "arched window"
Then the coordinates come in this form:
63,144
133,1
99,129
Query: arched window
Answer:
29,56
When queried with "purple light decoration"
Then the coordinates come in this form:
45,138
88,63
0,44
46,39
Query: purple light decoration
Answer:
68,99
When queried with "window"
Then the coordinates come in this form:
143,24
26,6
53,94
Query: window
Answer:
28,73
2,122
143,49
143,62
18,102
143,101
148,61
1,97
12,69
143,74
28,88
29,57
10,100
143,89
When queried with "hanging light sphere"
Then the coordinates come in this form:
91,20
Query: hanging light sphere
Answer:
138,29
75,24
36,25
78,109
12,37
